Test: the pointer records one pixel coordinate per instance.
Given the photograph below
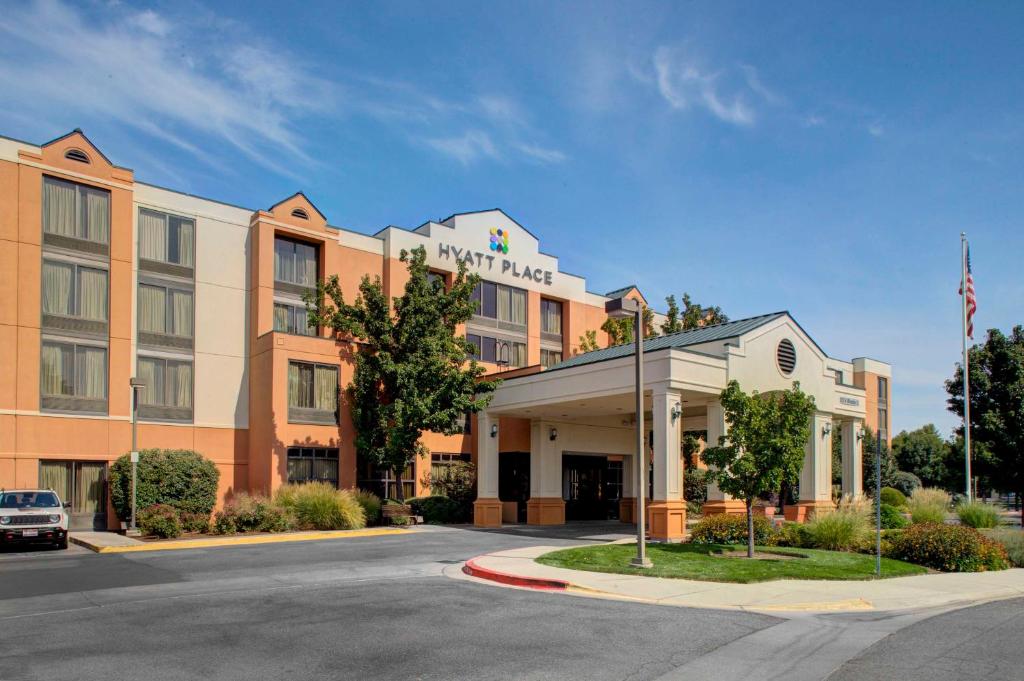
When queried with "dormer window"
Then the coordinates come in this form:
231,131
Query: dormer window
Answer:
76,155
300,214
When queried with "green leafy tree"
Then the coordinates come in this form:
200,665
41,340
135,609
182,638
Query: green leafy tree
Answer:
587,342
924,453
997,408
620,330
691,316
413,373
764,446
672,323
869,450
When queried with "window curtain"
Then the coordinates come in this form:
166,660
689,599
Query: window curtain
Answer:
305,263
301,322
181,313
186,240
152,236
57,288
552,317
518,352
152,375
284,260
88,488
91,372
97,212
281,315
518,312
60,201
56,369
92,294
504,305
152,309
56,475
179,379
297,393
326,388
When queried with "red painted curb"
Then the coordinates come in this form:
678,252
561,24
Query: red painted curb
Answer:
474,570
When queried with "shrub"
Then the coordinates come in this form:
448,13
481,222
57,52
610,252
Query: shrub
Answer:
906,482
436,509
732,529
928,505
177,477
223,524
795,535
950,548
371,504
319,506
1012,541
695,486
160,520
457,481
977,515
252,513
195,522
845,529
893,497
892,519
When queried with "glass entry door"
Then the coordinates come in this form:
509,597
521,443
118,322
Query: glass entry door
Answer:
83,484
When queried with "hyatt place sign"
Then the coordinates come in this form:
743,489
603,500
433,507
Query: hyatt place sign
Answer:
490,263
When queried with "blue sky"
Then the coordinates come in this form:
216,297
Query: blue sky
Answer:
813,157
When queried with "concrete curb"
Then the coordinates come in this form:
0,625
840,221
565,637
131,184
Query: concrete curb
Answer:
472,569
217,542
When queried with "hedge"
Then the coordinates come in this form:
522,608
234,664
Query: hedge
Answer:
732,529
950,548
436,509
180,478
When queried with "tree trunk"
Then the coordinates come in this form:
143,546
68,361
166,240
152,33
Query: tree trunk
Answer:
399,489
750,528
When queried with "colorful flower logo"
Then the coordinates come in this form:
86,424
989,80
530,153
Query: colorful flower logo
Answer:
499,240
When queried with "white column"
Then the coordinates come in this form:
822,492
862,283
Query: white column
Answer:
545,462
668,470
816,474
717,427
853,483
486,457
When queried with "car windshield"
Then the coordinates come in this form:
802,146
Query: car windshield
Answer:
28,500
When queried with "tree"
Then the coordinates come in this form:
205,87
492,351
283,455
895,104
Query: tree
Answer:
412,372
692,316
997,407
672,323
922,452
764,446
869,448
620,329
587,342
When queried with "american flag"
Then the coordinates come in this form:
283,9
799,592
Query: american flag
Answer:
971,302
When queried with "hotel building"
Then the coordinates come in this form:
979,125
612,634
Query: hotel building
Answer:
104,278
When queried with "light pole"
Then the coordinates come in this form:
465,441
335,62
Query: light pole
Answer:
136,384
623,308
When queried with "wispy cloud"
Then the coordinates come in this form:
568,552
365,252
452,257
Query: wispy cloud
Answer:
161,76
467,148
542,154
876,129
684,84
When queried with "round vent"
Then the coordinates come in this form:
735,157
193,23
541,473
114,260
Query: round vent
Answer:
785,354
300,213
76,155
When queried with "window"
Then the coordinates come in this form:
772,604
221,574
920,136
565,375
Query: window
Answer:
436,277
497,350
76,211
295,262
292,319
164,310
73,377
883,390
312,393
313,464
381,481
549,358
503,303
883,408
839,376
166,238
168,388
551,317
440,462
74,290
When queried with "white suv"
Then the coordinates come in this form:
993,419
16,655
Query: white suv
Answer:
33,516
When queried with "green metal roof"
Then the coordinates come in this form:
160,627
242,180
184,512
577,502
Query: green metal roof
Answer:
619,292
681,339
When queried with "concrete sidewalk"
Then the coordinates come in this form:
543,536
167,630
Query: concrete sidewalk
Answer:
517,567
111,542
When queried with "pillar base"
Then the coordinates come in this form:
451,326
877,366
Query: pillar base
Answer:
802,511
726,506
668,521
545,511
487,513
627,510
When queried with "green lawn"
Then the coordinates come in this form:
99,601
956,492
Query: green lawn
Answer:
691,561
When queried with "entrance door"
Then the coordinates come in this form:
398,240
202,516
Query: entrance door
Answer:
585,487
514,480
83,484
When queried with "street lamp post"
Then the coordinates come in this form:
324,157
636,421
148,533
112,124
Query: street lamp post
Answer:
623,308
136,384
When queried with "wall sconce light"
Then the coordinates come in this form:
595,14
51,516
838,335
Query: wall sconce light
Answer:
826,429
860,434
677,411
553,434
494,430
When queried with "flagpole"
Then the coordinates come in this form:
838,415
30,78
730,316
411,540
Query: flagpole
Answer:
967,370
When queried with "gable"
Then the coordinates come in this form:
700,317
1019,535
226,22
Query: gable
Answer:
298,211
76,154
